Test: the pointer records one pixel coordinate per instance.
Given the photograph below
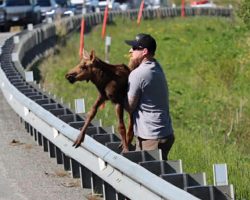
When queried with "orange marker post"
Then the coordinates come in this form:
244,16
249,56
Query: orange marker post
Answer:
140,12
183,8
81,38
105,22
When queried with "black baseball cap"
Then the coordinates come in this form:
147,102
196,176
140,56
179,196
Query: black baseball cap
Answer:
143,40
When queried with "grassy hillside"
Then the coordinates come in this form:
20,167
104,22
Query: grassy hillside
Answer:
207,64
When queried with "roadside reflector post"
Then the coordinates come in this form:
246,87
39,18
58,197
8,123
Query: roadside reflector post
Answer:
79,106
14,57
84,11
29,76
97,9
107,48
16,39
220,174
49,20
30,27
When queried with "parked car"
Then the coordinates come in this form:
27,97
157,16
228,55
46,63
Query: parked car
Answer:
19,13
91,5
84,6
112,4
152,4
54,8
2,16
99,5
203,4
148,4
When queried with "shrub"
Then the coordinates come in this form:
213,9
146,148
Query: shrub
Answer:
244,12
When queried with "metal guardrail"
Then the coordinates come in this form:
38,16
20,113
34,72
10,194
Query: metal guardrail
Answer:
96,162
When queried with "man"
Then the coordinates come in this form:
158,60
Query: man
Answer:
148,97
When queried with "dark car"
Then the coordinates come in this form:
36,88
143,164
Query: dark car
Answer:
19,13
55,8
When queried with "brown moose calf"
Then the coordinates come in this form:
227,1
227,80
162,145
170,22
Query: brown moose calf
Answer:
111,81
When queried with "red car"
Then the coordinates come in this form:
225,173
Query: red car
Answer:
203,4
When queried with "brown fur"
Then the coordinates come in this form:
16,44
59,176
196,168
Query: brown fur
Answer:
111,81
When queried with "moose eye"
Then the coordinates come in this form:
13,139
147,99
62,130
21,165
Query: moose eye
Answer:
83,67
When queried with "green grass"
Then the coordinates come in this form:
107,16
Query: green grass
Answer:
207,64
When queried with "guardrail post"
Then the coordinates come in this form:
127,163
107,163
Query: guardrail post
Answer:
59,159
45,144
96,184
39,138
75,168
202,192
85,175
183,180
51,149
30,130
34,133
114,146
109,193
120,196
21,120
143,156
163,167
26,126
66,162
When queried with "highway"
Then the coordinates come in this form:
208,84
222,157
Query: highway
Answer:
26,172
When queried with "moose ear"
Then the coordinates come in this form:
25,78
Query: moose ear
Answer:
85,55
92,55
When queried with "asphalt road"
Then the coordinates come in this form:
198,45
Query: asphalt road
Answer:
26,172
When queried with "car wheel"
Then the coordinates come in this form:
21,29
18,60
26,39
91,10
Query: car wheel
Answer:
5,28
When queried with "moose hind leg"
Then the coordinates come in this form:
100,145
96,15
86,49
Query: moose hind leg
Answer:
130,133
121,126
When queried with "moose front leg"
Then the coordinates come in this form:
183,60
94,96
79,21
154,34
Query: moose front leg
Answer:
91,114
121,127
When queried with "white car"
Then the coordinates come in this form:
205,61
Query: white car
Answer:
54,8
112,4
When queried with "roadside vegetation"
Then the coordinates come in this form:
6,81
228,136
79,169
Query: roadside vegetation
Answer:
207,64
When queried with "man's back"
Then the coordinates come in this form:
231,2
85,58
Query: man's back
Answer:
151,117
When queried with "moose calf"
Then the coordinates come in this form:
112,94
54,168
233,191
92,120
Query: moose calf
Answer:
111,81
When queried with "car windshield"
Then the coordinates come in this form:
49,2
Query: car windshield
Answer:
44,3
17,3
61,2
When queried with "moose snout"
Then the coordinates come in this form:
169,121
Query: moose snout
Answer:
71,77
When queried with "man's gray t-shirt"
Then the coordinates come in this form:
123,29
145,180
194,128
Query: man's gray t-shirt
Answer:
151,117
